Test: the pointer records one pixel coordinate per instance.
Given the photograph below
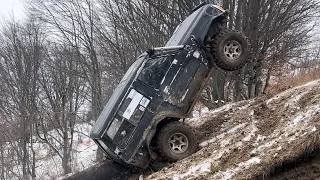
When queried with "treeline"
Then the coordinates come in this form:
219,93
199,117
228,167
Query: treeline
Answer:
279,32
69,54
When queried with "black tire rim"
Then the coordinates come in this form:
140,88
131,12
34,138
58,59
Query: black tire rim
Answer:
178,143
232,50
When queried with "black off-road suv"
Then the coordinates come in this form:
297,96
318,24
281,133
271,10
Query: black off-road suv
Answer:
161,87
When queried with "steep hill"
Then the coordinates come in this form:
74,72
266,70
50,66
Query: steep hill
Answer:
265,138
256,139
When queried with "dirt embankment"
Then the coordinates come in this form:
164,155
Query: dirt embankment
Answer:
266,138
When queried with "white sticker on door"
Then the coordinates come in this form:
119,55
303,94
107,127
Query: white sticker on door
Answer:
136,98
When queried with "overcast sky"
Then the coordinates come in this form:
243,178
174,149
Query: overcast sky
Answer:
11,7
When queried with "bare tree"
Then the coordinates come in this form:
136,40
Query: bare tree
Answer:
73,22
277,29
20,58
63,92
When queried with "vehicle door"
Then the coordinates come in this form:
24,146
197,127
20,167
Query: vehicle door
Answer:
191,70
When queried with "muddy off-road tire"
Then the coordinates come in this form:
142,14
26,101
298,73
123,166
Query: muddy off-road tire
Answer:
176,141
231,50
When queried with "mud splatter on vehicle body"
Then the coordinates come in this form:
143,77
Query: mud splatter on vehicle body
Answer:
161,87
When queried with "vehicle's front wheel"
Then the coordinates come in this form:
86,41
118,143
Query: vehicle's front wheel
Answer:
176,141
231,50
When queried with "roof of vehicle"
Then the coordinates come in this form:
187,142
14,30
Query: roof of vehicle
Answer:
101,123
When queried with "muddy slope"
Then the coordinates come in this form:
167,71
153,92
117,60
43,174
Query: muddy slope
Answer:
305,167
266,138
253,139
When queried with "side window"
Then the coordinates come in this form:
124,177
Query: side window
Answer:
154,71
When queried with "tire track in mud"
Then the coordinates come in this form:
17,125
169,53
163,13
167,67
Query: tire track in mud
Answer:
305,167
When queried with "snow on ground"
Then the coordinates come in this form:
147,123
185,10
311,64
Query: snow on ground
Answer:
48,164
83,156
84,147
250,136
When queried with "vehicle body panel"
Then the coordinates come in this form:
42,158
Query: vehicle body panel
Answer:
156,87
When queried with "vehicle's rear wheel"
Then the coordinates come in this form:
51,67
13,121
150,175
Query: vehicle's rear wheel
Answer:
176,141
231,50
